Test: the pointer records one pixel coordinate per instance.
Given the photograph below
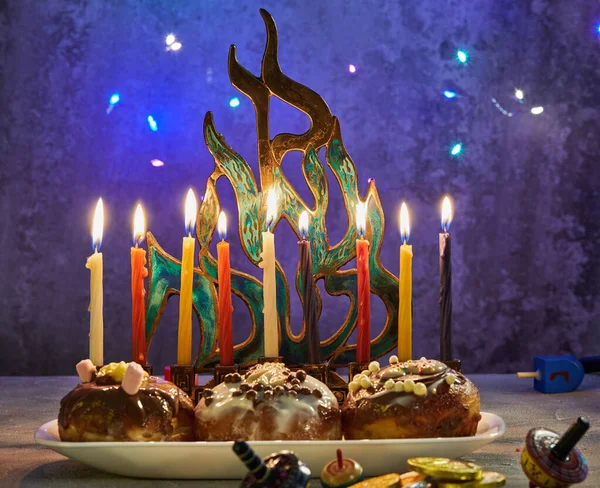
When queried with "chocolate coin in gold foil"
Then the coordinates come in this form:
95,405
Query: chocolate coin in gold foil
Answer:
444,468
489,479
407,479
391,480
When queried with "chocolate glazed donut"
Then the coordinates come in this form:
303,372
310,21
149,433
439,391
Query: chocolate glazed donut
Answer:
269,402
101,410
414,399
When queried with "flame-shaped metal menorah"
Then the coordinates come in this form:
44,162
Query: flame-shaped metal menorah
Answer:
327,258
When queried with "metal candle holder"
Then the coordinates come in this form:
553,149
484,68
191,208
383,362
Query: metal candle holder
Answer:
147,368
328,259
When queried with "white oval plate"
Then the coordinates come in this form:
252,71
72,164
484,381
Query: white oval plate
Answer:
215,460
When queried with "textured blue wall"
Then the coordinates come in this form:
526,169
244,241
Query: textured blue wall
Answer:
526,228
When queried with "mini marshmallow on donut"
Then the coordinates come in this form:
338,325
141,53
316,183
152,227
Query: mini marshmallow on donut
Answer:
133,379
86,370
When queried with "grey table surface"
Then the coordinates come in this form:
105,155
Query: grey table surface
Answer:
28,402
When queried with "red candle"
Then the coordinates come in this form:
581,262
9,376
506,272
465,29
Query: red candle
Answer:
138,291
225,307
363,341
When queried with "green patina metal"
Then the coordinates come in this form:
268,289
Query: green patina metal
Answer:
328,259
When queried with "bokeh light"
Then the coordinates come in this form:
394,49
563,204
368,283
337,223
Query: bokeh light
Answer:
234,102
456,149
152,123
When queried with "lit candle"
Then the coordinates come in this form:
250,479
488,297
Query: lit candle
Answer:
405,290
309,296
446,283
94,264
271,337
184,335
363,341
225,308
138,291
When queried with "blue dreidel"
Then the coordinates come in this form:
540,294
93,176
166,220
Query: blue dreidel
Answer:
279,470
555,375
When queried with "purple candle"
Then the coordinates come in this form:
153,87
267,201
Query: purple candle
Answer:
446,283
309,298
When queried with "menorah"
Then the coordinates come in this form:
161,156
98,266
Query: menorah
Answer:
327,259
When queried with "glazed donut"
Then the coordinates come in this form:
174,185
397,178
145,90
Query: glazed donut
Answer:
122,403
414,399
269,402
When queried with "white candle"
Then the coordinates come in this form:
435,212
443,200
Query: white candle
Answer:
94,264
271,337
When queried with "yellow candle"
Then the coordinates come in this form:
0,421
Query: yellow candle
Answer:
405,290
94,264
271,337
184,335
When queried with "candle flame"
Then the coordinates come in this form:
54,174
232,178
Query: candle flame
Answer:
361,219
139,225
303,224
190,211
271,208
222,226
404,223
446,214
98,225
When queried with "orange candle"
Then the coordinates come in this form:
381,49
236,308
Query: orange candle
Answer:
138,291
363,341
225,307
